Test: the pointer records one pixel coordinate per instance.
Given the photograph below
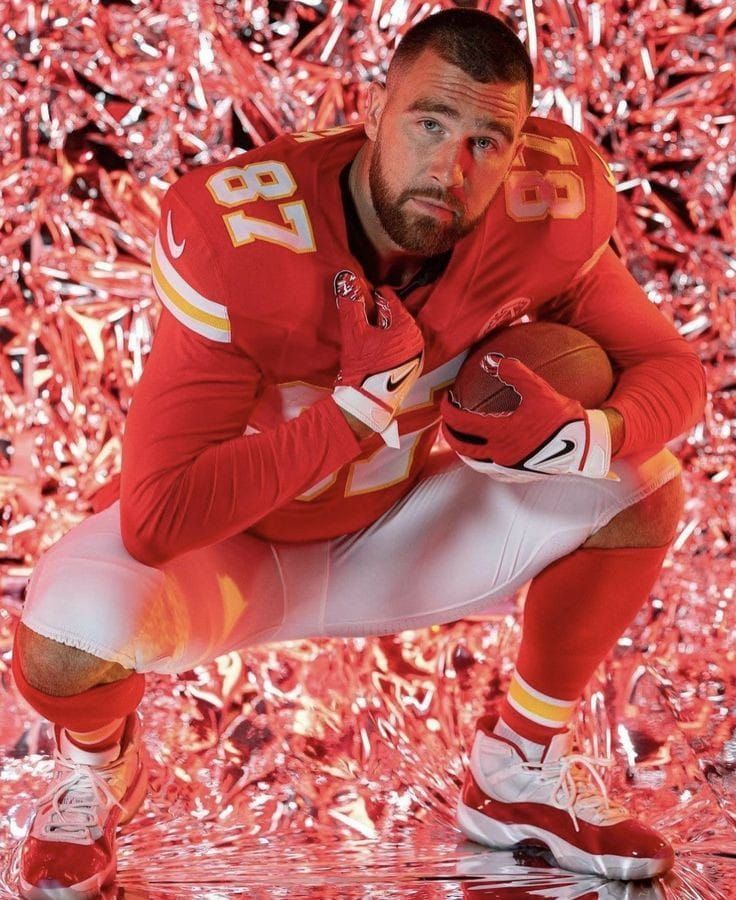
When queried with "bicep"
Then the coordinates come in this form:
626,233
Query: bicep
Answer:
607,304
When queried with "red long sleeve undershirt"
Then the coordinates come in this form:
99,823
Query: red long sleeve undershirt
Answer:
190,477
660,390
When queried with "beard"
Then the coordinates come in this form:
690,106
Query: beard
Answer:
417,233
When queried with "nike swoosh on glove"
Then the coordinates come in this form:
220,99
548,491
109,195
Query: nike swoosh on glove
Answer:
545,434
378,363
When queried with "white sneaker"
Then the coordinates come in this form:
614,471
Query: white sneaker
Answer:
560,802
69,851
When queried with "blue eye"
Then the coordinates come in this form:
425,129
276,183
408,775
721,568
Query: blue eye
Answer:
426,123
486,142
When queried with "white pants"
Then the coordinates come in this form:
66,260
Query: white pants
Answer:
455,545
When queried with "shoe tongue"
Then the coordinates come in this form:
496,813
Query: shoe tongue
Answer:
531,751
71,752
558,747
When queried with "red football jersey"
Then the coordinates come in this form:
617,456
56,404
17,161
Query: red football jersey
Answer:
244,263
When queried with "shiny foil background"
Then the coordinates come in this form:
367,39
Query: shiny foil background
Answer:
330,768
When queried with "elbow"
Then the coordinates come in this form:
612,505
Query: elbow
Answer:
703,386
688,373
142,547
700,392
139,537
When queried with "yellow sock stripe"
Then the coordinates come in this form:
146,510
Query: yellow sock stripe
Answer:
210,324
550,712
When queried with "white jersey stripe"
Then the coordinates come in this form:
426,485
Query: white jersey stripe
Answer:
186,304
184,288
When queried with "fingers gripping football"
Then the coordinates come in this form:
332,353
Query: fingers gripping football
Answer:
543,433
379,363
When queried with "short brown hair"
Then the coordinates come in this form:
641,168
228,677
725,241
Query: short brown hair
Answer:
474,41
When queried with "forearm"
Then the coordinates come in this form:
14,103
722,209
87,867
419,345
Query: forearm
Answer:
655,401
616,425
660,388
230,485
360,430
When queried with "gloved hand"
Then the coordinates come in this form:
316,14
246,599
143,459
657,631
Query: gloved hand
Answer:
378,363
545,434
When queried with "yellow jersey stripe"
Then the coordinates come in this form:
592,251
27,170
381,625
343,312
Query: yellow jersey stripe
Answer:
216,327
180,286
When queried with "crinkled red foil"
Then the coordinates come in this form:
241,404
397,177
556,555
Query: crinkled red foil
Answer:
330,768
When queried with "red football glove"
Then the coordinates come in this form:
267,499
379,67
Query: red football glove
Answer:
545,434
379,363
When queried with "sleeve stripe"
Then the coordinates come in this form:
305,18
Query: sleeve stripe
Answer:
182,287
185,303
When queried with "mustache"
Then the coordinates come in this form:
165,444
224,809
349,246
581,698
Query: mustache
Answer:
439,197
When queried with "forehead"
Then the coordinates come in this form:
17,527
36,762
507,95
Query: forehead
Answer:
431,78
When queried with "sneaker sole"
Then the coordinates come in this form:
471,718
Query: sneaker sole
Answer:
78,892
91,888
502,836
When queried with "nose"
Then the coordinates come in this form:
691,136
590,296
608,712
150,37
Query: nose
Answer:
447,166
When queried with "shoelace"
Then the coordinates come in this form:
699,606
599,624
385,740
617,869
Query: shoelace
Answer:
89,789
570,787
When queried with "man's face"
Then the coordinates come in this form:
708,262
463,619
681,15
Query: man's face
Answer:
442,145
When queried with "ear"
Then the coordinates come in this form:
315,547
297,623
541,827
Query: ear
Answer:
517,146
374,106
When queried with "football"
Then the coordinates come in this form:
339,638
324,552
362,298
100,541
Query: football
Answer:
570,361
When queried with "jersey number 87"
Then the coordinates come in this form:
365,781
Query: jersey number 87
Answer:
530,195
267,180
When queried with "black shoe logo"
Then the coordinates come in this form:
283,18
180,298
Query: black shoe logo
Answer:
569,445
403,373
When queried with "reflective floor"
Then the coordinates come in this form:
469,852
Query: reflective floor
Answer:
330,769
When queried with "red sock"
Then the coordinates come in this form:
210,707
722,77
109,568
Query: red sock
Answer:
100,738
575,611
87,711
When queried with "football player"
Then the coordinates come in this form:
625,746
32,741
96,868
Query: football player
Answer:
319,294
